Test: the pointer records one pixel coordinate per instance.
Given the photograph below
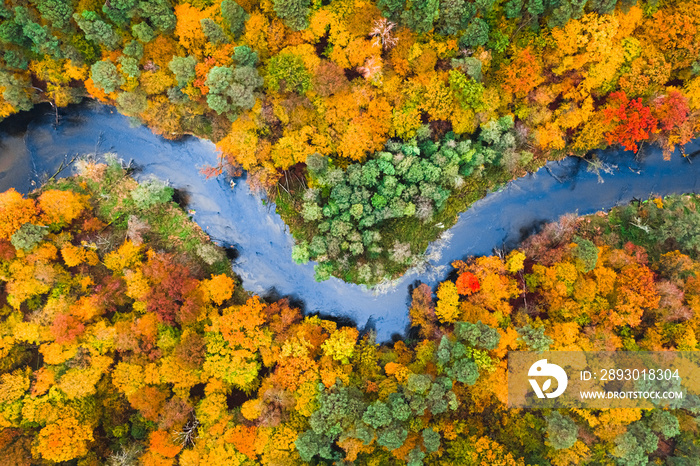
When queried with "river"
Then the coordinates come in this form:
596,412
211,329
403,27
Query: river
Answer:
32,147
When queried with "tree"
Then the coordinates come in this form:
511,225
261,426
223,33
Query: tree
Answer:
477,335
476,34
630,120
159,14
151,192
294,13
132,103
143,32
97,30
64,440
422,15
213,31
231,91
184,69
286,72
664,423
587,252
245,56
61,207
523,74
633,446
28,236
465,371
534,338
447,309
467,284
15,211
562,432
234,16
105,76
377,415
57,12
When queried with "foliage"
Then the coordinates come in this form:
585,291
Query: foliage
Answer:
142,339
274,83
293,12
231,90
409,182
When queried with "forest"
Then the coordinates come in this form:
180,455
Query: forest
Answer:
125,339
369,123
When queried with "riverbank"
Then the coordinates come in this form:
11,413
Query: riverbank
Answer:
262,242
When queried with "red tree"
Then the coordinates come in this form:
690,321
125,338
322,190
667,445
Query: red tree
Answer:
467,283
630,120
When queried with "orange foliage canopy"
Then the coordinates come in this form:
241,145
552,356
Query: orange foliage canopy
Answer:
467,283
61,207
15,211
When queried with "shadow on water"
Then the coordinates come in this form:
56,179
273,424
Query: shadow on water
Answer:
259,243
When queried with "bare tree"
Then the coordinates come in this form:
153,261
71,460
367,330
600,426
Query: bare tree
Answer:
381,31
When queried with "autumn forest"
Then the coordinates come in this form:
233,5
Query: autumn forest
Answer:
126,338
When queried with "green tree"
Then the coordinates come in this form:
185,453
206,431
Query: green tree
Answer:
392,8
587,252
134,49
513,8
245,56
159,13
14,59
534,338
184,69
105,76
130,66
16,90
392,437
476,34
213,31
664,423
120,11
231,91
234,17
464,371
632,447
132,103
422,15
151,192
454,16
143,32
377,415
294,13
431,440
286,72
28,236
300,253
562,432
97,30
602,7
57,12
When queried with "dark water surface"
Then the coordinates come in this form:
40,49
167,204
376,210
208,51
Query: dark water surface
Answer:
32,147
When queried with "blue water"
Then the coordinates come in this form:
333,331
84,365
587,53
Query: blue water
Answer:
33,147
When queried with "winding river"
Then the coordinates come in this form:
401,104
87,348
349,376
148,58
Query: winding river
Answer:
32,146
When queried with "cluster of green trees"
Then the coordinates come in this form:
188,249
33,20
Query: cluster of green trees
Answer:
348,212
